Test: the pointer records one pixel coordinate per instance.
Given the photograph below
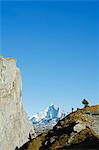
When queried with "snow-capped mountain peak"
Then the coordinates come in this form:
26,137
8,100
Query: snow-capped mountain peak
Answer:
47,118
50,112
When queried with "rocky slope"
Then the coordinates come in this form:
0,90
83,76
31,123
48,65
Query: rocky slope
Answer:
14,124
47,118
79,130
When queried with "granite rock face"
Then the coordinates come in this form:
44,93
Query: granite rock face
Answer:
14,123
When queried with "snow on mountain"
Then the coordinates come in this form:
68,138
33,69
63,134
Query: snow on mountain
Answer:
50,112
47,118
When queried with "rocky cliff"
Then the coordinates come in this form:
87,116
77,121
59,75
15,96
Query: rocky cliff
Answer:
14,124
78,130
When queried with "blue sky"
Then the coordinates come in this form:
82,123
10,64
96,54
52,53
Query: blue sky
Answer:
55,44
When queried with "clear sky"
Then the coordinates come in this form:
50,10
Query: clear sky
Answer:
55,44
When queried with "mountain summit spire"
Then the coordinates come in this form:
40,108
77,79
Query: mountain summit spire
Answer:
47,118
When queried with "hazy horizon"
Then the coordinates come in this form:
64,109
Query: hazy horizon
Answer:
56,47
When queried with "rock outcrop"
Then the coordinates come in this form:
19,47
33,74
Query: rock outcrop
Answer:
14,123
78,130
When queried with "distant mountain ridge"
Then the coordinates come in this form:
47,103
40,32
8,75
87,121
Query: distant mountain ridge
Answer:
47,118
